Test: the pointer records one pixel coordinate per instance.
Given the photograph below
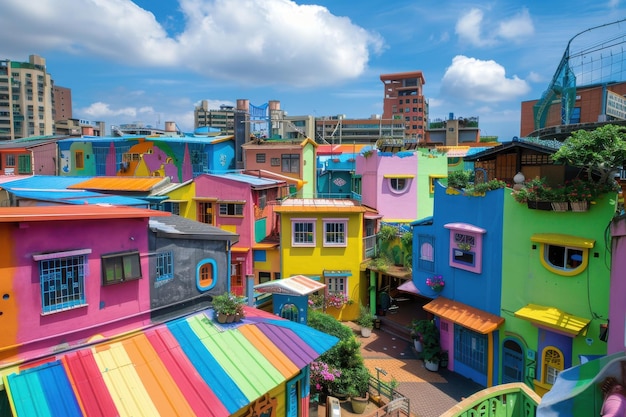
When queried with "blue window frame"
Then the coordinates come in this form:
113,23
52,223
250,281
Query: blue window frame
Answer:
206,275
470,348
426,249
62,283
164,266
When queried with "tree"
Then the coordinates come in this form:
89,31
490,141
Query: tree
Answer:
601,151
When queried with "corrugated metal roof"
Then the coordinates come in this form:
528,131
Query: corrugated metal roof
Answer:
43,182
319,205
467,316
73,212
255,181
176,226
142,184
189,366
553,318
295,285
80,197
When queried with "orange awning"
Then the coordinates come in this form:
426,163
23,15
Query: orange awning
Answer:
478,320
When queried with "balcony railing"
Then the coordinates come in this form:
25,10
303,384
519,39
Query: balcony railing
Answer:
370,249
511,400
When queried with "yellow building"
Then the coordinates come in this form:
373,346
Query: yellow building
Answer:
323,239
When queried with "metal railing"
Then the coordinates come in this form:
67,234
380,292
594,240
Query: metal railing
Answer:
513,400
394,402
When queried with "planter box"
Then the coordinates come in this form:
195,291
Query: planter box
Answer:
539,205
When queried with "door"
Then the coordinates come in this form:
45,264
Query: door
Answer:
512,362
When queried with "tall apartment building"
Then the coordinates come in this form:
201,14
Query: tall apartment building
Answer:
404,101
26,99
62,103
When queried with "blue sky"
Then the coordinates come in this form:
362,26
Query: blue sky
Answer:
153,61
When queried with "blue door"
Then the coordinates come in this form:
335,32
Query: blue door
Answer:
512,362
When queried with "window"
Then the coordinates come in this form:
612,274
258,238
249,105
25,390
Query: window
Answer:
164,266
172,207
80,159
552,365
470,348
9,161
431,181
262,199
231,209
206,271
275,162
398,184
62,281
264,277
337,285
466,246
563,254
335,232
260,158
303,232
120,267
426,259
205,212
290,163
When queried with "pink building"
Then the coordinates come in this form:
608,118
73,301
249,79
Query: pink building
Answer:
244,205
70,274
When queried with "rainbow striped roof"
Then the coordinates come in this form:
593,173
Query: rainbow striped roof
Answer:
188,366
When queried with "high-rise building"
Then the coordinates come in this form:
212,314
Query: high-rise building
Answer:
404,101
26,99
62,103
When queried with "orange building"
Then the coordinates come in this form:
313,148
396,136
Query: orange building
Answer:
404,100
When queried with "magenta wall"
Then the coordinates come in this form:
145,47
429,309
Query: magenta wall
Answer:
109,310
214,186
617,308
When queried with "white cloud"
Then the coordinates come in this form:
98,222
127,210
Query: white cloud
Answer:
518,27
470,26
254,42
100,110
483,81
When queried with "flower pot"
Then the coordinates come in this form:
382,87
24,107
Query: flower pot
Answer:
419,347
359,404
221,318
366,332
539,205
230,318
432,366
560,206
579,205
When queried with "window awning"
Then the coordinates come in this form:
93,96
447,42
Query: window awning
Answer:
467,316
563,240
553,319
338,273
409,287
295,285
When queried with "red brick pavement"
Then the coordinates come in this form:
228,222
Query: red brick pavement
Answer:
430,393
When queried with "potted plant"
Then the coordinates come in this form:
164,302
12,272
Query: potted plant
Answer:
418,328
432,348
226,307
366,321
359,390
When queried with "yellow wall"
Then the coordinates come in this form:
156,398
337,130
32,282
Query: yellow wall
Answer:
315,260
186,192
